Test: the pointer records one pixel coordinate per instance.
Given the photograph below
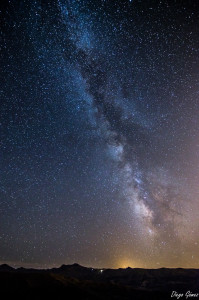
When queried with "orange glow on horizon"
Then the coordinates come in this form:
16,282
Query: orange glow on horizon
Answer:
125,263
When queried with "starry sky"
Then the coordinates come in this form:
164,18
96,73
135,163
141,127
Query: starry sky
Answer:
99,126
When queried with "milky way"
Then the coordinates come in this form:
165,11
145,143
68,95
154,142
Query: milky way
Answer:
99,133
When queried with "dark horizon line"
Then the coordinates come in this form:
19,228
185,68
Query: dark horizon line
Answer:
76,264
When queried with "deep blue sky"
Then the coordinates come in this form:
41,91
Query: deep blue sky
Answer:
99,131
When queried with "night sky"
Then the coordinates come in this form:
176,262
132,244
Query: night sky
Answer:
99,125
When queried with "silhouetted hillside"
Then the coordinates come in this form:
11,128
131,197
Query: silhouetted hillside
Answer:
4,268
78,282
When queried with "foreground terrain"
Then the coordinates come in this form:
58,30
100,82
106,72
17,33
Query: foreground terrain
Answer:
77,282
